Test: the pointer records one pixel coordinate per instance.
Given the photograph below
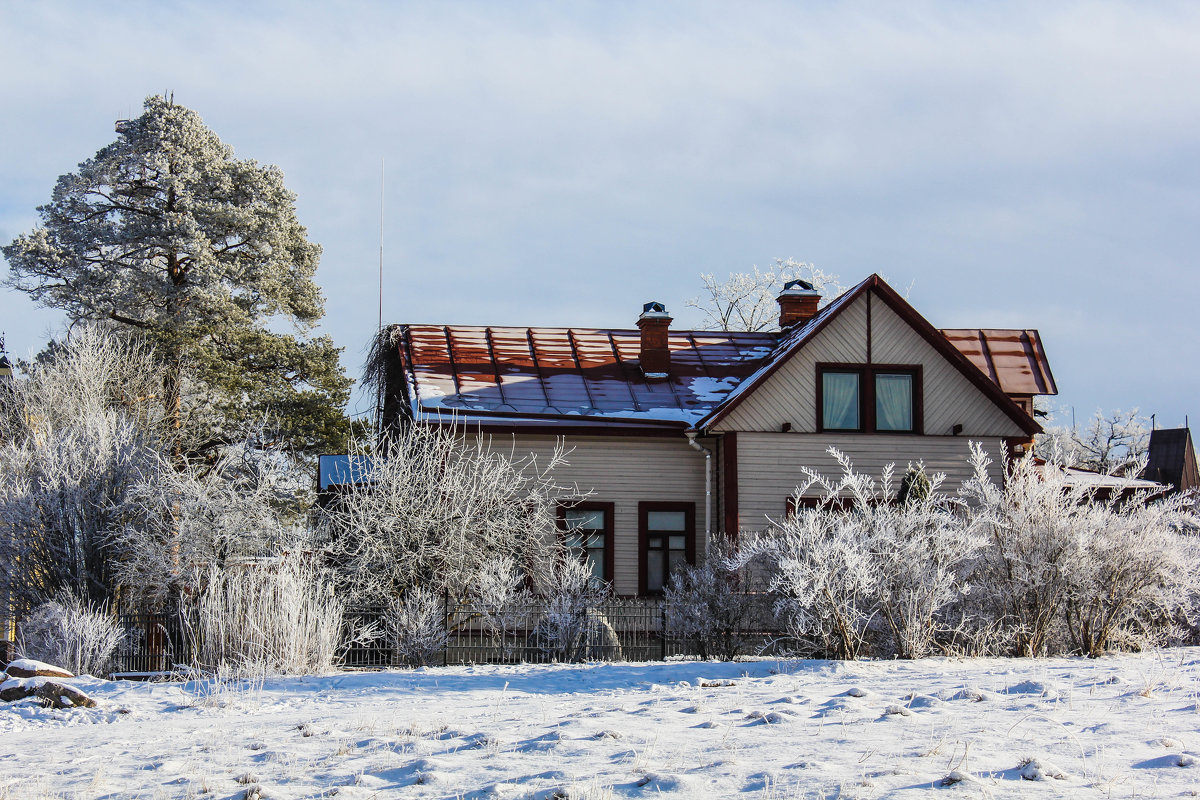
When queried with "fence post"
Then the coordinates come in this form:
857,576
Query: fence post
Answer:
662,635
446,624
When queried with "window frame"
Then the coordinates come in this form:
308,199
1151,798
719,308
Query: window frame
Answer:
689,524
866,395
607,533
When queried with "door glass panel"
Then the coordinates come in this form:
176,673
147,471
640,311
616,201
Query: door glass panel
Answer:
654,570
666,520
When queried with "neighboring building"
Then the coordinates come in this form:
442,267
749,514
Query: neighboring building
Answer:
680,434
1172,459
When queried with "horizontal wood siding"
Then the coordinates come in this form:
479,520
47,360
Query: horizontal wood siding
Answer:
950,398
625,471
790,394
769,464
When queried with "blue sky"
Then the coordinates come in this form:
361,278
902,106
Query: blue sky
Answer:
1019,164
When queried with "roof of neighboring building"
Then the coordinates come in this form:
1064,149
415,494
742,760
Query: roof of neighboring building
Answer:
591,377
1172,458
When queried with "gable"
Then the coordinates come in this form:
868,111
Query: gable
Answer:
870,331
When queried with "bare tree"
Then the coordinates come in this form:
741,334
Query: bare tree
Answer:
1118,441
435,508
200,518
746,300
79,432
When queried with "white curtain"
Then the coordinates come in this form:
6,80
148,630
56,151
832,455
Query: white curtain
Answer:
840,400
893,403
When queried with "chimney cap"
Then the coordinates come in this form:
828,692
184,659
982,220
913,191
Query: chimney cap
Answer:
653,310
799,287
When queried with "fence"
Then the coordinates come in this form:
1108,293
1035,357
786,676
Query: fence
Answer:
616,630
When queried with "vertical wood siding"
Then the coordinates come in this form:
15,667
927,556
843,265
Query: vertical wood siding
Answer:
770,464
625,471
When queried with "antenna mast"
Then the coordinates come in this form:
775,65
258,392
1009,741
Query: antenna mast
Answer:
379,387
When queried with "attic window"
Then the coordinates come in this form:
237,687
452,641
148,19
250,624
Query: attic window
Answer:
869,398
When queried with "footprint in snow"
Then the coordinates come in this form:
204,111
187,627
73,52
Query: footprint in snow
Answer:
1169,760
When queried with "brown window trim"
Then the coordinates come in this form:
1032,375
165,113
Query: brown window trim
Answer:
689,524
607,508
866,395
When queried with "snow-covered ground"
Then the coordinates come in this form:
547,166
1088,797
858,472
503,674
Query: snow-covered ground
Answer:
1124,726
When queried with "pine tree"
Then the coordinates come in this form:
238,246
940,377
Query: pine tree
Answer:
167,234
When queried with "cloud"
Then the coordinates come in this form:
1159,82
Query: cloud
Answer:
556,165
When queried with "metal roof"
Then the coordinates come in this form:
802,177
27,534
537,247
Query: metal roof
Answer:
1014,359
573,372
589,376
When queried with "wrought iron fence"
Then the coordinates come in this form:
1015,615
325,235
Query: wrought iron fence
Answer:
152,642
532,632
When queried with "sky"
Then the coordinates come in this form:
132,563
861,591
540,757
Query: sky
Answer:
1009,164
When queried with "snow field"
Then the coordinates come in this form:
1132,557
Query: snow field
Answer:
1122,726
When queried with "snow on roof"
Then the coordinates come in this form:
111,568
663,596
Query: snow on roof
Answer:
590,376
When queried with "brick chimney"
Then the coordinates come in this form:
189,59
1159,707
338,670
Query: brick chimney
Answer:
797,303
655,355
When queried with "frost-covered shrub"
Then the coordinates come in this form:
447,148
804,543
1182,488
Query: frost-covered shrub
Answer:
71,633
710,605
76,433
433,509
276,615
1064,569
865,566
415,626
573,627
501,601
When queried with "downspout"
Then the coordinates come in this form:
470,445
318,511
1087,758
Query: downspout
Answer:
691,438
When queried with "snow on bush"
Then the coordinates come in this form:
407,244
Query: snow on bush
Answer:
860,555
77,431
416,627
71,633
204,517
437,506
274,615
710,606
573,627
1065,569
502,602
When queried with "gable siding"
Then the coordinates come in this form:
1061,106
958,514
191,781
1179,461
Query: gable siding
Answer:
949,397
789,395
625,471
770,464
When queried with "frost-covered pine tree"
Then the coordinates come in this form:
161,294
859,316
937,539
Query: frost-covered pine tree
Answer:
165,233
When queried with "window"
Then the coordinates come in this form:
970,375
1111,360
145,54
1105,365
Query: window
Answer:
876,398
667,532
586,530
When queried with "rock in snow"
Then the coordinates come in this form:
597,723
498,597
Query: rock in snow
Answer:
28,668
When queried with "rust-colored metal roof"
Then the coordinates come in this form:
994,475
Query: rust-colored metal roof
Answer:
1013,359
592,376
573,372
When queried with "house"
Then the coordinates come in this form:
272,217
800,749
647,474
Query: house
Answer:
681,434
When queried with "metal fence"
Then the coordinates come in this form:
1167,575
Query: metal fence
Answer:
616,630
152,642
